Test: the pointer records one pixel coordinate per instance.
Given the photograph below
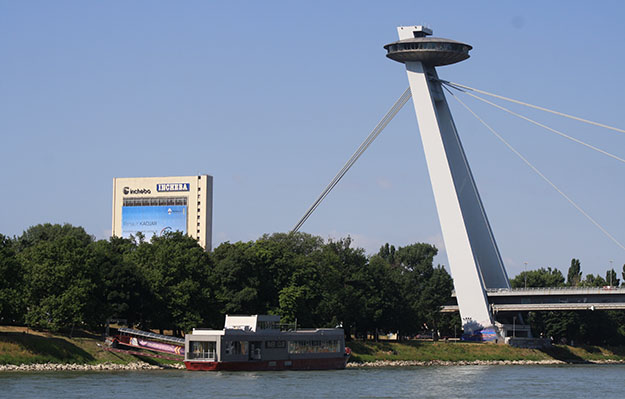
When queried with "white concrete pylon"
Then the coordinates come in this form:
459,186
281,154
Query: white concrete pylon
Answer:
474,259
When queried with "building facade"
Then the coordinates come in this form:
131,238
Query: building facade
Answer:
157,205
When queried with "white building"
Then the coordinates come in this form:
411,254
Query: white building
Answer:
156,205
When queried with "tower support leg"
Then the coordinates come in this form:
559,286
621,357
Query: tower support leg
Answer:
474,259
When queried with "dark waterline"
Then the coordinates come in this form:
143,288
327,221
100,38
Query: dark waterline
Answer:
554,382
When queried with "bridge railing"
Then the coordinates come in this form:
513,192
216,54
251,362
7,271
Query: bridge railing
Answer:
606,290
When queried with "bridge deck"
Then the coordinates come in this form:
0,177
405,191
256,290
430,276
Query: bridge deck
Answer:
552,299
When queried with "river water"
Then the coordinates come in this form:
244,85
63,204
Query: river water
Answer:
553,382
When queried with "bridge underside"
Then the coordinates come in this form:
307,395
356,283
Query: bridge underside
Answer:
551,299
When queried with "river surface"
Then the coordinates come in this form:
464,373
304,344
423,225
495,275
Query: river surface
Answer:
553,382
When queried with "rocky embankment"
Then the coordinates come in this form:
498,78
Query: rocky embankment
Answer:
89,367
414,363
378,363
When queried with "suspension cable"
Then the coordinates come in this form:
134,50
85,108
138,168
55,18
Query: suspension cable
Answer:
528,163
536,107
403,99
592,147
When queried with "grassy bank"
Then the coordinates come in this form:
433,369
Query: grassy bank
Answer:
23,346
425,351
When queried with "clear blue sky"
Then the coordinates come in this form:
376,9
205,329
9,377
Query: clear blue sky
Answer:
271,98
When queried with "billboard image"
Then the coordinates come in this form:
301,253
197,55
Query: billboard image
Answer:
153,220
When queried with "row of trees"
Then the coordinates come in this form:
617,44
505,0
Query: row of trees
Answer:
592,327
548,277
59,277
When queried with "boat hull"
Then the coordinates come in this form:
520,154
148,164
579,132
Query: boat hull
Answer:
293,364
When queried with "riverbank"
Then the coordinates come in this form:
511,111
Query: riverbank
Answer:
36,350
26,350
415,363
417,353
134,366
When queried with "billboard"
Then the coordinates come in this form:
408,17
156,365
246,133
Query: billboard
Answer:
153,220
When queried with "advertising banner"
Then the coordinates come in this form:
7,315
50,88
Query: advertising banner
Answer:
157,346
153,220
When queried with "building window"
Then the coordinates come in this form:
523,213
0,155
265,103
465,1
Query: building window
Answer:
202,349
154,201
314,346
235,347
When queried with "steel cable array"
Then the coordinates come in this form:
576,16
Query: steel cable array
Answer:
537,171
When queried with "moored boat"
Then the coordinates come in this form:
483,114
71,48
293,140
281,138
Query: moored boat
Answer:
260,342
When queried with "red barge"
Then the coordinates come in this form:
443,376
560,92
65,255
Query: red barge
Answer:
260,342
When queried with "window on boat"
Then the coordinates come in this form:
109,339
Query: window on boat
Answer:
202,350
313,346
235,347
275,344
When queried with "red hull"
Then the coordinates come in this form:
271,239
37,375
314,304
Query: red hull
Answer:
252,365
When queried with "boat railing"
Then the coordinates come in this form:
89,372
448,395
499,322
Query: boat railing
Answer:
151,335
288,326
202,354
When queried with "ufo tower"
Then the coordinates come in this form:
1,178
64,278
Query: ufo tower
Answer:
474,259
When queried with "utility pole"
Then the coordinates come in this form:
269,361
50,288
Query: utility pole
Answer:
525,275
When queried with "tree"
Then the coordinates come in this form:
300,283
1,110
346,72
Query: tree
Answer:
574,276
59,285
593,281
611,278
597,328
289,261
121,292
12,305
540,278
48,232
384,308
418,257
387,252
177,271
557,325
237,279
344,286
424,288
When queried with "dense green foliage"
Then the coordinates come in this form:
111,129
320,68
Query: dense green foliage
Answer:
538,278
574,276
11,281
58,278
589,327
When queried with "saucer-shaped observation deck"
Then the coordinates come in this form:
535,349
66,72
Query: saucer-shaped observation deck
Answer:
431,51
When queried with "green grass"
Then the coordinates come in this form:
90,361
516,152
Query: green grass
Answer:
462,351
21,347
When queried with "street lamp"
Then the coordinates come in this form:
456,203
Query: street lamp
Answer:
611,269
525,274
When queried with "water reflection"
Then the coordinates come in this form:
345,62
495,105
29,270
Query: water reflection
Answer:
570,382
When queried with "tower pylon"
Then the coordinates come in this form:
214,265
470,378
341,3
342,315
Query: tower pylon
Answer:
474,259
